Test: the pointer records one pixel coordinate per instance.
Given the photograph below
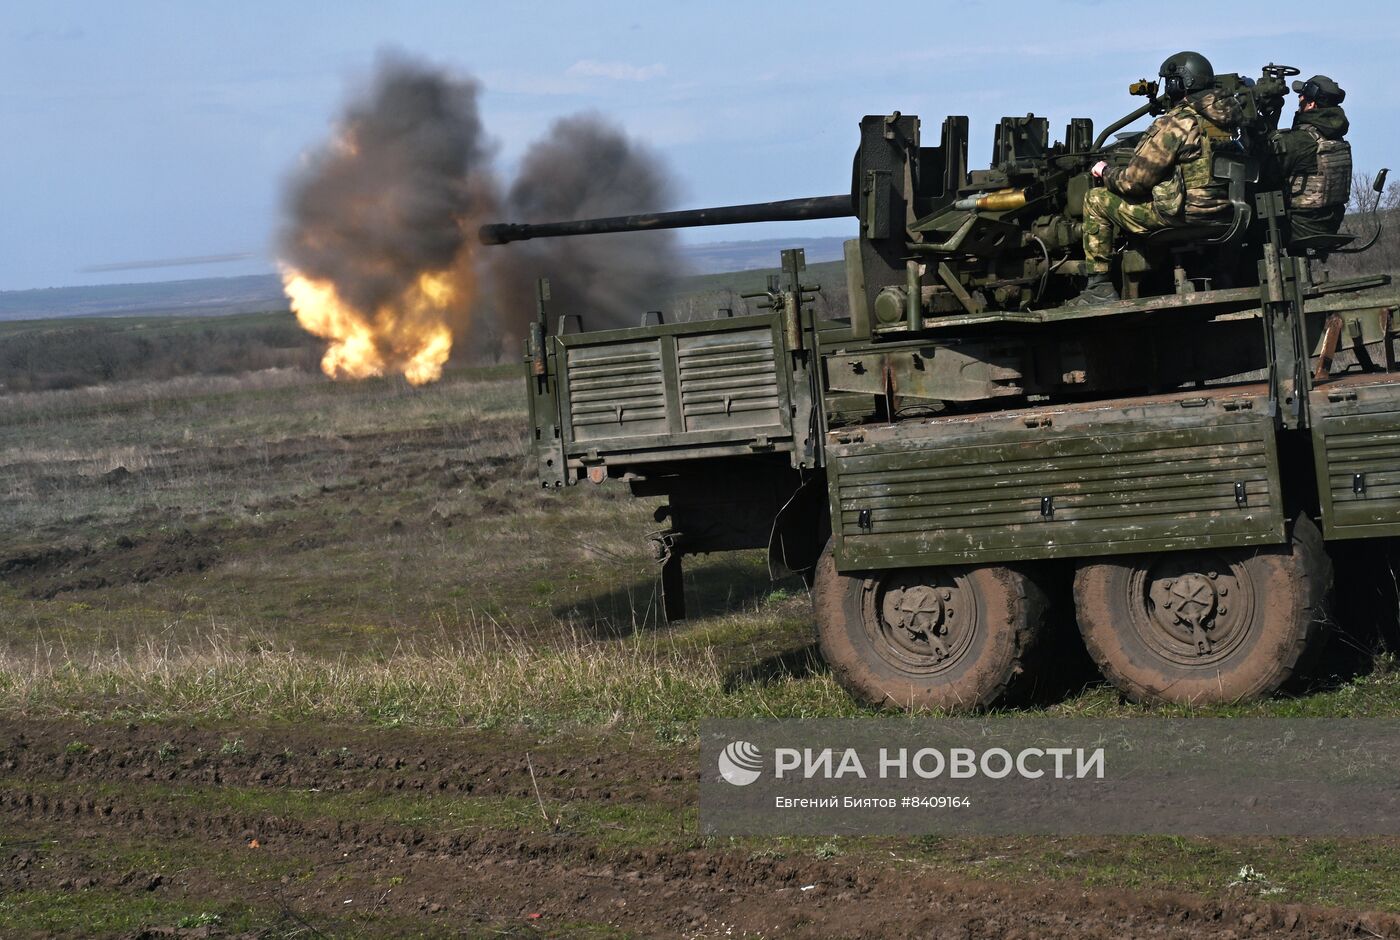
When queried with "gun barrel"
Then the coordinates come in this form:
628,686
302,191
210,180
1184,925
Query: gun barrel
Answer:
786,210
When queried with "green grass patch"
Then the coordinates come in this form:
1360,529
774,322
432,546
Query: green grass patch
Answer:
646,682
100,912
1351,873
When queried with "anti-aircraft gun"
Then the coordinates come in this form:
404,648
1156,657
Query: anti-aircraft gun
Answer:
928,461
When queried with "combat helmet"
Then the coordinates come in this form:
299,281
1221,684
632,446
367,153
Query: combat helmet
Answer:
1321,89
1186,73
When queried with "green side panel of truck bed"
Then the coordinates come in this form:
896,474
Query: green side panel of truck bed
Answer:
675,391
1356,446
1115,477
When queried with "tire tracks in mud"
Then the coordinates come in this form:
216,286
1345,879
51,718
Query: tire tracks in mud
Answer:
338,760
115,783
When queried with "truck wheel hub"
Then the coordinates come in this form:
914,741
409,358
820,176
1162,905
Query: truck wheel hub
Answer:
920,624
1194,608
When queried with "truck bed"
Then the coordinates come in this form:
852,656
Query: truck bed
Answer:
613,399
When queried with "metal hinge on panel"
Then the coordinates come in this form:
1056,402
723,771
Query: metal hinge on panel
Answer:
1358,484
1047,506
1241,497
761,442
1039,421
863,519
1343,395
1238,404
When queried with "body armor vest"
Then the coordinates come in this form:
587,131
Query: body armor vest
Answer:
1330,184
1193,182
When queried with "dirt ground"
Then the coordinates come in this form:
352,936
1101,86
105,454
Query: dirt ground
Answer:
66,809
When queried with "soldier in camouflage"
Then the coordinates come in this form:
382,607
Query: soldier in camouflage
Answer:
1168,181
1314,162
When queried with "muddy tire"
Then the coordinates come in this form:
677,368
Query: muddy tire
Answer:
950,638
1208,626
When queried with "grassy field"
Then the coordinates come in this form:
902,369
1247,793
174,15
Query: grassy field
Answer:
233,603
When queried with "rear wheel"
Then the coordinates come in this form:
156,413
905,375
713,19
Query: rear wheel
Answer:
950,638
1206,626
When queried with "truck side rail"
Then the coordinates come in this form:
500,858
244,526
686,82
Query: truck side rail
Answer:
613,399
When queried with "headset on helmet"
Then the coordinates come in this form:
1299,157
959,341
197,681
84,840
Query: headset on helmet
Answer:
1186,73
1321,89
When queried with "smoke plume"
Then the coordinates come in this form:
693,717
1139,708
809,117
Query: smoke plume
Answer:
386,199
377,255
585,167
379,252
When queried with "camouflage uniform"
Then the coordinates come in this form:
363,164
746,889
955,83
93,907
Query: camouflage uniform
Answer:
1106,213
1168,181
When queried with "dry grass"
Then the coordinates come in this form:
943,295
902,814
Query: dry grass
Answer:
216,444
39,406
485,677
367,552
330,533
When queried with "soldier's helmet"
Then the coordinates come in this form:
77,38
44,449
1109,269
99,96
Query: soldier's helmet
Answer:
1186,73
1321,89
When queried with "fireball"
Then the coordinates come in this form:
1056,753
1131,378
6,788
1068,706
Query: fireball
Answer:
410,334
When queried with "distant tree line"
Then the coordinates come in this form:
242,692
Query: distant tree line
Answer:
54,355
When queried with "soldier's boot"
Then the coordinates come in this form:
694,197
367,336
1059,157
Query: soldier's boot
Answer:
1098,290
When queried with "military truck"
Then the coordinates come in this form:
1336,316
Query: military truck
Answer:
941,461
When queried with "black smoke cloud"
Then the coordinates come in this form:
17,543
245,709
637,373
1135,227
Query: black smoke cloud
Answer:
408,180
585,167
390,197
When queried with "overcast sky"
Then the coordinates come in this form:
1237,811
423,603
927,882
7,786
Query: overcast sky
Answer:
142,131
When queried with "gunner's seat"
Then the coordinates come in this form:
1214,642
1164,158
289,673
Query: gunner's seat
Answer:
1196,248
1240,172
1318,247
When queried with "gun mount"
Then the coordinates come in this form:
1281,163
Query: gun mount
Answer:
937,238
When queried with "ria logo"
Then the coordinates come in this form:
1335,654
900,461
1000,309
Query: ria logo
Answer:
740,763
